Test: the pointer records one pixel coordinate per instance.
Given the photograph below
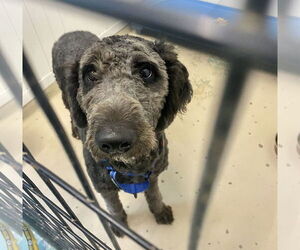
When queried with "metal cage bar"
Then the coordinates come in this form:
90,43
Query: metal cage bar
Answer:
243,57
12,82
59,197
258,48
33,189
52,117
100,212
233,89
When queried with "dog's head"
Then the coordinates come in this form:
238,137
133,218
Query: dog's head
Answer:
129,89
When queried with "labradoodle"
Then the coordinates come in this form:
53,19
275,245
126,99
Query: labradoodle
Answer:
122,93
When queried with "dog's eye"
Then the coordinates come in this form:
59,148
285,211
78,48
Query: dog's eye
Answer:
89,74
145,73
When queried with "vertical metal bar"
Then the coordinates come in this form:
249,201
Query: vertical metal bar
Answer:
11,81
6,157
57,195
52,117
233,89
37,206
11,208
46,107
105,215
258,6
41,224
14,207
11,184
58,210
26,178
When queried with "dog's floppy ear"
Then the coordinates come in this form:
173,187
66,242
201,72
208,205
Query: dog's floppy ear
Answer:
180,89
69,88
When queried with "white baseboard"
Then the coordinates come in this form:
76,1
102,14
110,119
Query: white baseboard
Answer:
45,82
5,97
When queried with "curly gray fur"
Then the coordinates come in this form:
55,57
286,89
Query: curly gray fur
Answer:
118,95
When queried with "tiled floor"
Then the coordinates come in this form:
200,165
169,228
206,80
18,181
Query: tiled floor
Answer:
242,214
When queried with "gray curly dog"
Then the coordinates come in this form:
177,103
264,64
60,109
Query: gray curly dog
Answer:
122,93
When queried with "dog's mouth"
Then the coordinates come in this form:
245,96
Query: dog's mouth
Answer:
128,161
107,146
134,164
123,160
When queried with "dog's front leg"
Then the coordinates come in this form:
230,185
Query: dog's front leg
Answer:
106,188
162,213
115,208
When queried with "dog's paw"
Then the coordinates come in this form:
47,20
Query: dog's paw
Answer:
122,219
165,216
117,232
75,132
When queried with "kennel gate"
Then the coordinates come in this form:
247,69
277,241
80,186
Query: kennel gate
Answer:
260,52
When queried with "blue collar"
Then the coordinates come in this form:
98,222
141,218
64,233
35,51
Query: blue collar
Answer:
132,188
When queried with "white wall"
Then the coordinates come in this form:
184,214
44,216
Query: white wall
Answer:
45,22
10,41
294,8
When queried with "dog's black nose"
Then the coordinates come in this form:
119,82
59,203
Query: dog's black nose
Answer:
117,140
